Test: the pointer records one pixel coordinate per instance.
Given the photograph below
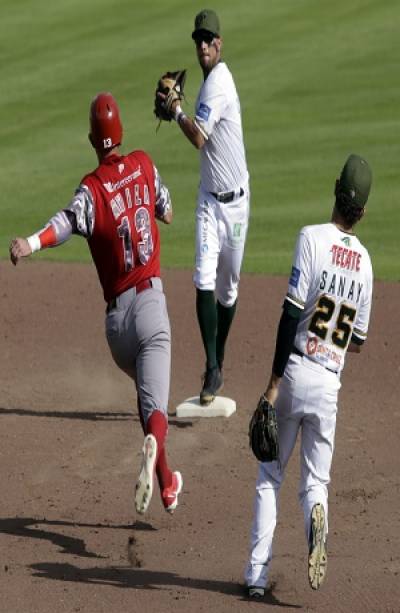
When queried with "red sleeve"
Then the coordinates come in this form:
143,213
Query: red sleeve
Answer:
47,237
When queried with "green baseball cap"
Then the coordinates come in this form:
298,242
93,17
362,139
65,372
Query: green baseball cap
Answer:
355,180
207,20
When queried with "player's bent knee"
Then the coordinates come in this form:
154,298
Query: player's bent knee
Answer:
204,284
227,299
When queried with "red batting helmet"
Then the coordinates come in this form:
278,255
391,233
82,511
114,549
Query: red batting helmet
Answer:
105,123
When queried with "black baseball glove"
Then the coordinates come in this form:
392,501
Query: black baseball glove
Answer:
263,432
171,86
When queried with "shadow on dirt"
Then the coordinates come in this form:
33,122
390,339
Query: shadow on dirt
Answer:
29,527
89,415
180,424
144,579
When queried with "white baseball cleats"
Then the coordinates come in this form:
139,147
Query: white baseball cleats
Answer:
170,494
317,557
144,485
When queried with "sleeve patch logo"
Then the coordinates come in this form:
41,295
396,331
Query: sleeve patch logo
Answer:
203,112
295,276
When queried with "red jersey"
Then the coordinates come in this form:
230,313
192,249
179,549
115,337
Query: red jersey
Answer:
125,241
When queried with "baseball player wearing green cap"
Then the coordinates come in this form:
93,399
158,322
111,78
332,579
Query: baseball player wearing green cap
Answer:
223,199
325,314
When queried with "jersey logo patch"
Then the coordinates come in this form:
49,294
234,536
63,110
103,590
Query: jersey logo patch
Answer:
112,187
203,112
295,276
237,229
312,345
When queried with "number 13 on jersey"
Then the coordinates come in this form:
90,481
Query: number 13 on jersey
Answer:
134,227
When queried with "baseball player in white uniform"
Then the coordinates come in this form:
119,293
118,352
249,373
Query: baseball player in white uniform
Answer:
325,314
223,200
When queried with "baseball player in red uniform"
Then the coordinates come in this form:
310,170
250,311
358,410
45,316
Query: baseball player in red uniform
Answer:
325,314
115,208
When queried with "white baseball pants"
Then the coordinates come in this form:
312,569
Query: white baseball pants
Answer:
221,230
307,402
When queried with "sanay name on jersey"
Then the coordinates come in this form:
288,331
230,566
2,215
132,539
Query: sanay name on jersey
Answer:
341,285
338,285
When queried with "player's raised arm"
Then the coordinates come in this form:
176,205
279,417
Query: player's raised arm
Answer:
189,127
167,106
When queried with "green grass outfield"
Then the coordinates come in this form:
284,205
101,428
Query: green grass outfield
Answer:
317,80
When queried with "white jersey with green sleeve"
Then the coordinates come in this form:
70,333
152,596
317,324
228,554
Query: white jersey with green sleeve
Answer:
331,281
222,159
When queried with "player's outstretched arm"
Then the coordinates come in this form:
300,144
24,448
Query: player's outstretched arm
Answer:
58,230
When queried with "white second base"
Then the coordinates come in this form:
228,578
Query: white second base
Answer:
219,407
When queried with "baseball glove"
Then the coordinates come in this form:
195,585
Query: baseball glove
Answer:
171,86
263,432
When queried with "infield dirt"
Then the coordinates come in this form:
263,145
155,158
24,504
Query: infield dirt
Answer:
70,451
